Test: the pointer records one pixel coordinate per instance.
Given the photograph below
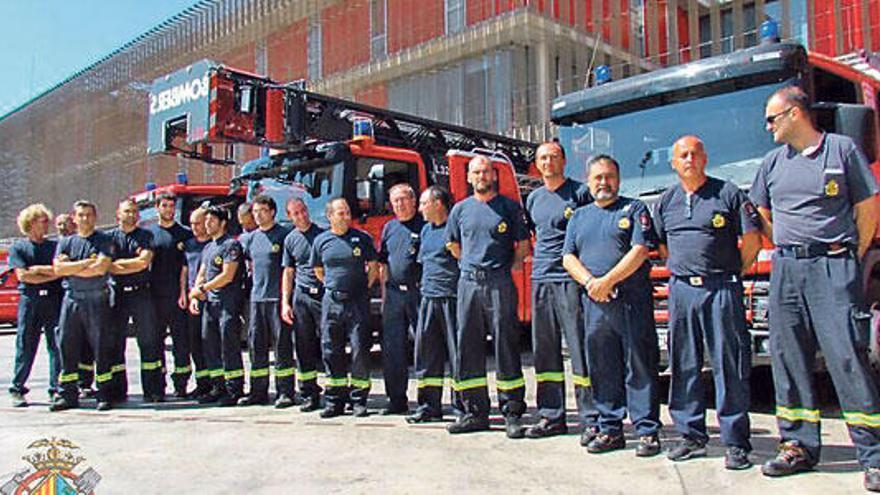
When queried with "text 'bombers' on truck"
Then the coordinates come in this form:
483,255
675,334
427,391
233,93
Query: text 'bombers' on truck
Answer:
320,147
721,100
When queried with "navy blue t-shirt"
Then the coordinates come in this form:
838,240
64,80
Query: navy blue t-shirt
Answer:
811,197
168,258
702,238
601,237
264,249
439,267
399,249
78,248
225,249
548,214
130,245
487,232
27,253
344,259
192,251
298,254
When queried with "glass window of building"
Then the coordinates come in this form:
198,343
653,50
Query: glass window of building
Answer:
378,28
455,15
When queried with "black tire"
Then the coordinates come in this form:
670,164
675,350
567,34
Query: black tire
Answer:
871,284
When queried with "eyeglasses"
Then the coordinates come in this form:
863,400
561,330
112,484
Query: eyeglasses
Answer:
771,119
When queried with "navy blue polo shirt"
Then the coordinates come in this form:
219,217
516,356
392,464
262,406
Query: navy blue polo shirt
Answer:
399,250
130,245
225,249
27,253
78,248
344,259
168,258
264,249
439,267
298,254
192,252
487,232
601,237
548,213
811,197
702,238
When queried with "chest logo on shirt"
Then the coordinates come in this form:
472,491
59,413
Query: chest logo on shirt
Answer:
831,188
718,221
276,248
180,246
624,223
568,212
356,252
502,227
218,261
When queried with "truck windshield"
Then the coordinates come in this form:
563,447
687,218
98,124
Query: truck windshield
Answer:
731,125
315,186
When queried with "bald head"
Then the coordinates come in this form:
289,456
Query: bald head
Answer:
481,175
689,160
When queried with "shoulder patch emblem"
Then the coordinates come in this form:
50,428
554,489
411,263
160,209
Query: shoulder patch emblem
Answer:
624,223
645,220
718,221
276,247
356,252
218,260
502,227
93,255
569,211
180,246
831,188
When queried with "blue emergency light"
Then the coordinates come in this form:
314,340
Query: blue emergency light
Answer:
362,128
149,186
182,178
769,31
602,75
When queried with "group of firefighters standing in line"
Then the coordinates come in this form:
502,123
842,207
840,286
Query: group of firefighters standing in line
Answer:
447,274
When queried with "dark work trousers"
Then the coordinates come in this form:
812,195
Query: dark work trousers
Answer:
307,330
400,314
345,319
134,302
487,304
556,311
221,341
194,328
708,313
86,366
85,317
265,320
169,316
622,355
436,336
37,313
820,301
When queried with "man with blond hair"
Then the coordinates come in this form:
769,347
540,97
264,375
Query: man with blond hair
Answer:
40,292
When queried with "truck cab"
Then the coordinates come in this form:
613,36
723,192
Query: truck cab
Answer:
189,197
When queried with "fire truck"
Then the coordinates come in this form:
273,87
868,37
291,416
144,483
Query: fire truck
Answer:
189,197
319,147
720,99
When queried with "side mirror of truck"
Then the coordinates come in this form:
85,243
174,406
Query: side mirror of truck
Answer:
855,121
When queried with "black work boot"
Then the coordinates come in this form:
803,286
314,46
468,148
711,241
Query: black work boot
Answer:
545,428
872,479
649,446
790,458
687,449
606,443
468,424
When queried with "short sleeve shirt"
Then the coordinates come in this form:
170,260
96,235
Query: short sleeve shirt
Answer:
811,197
439,267
344,258
601,237
27,253
225,249
298,254
548,213
131,245
487,232
264,249
168,258
192,251
399,250
78,248
701,230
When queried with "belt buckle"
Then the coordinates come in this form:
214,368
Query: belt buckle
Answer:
801,251
696,281
43,292
403,288
313,290
127,288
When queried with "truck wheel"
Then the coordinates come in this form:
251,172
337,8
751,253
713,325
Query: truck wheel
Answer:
871,284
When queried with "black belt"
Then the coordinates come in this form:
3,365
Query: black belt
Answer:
402,287
310,290
34,292
703,280
126,288
480,275
801,251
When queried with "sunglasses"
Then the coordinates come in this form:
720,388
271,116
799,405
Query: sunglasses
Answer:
771,119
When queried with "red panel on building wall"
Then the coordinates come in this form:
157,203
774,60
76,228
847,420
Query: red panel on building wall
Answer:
376,95
286,52
411,22
479,10
345,35
823,14
243,58
683,36
874,23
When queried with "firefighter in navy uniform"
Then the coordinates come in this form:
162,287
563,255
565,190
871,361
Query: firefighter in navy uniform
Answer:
84,259
168,289
437,328
816,195
301,294
263,248
130,298
606,252
192,252
556,308
39,300
344,259
487,232
218,284
699,222
400,273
